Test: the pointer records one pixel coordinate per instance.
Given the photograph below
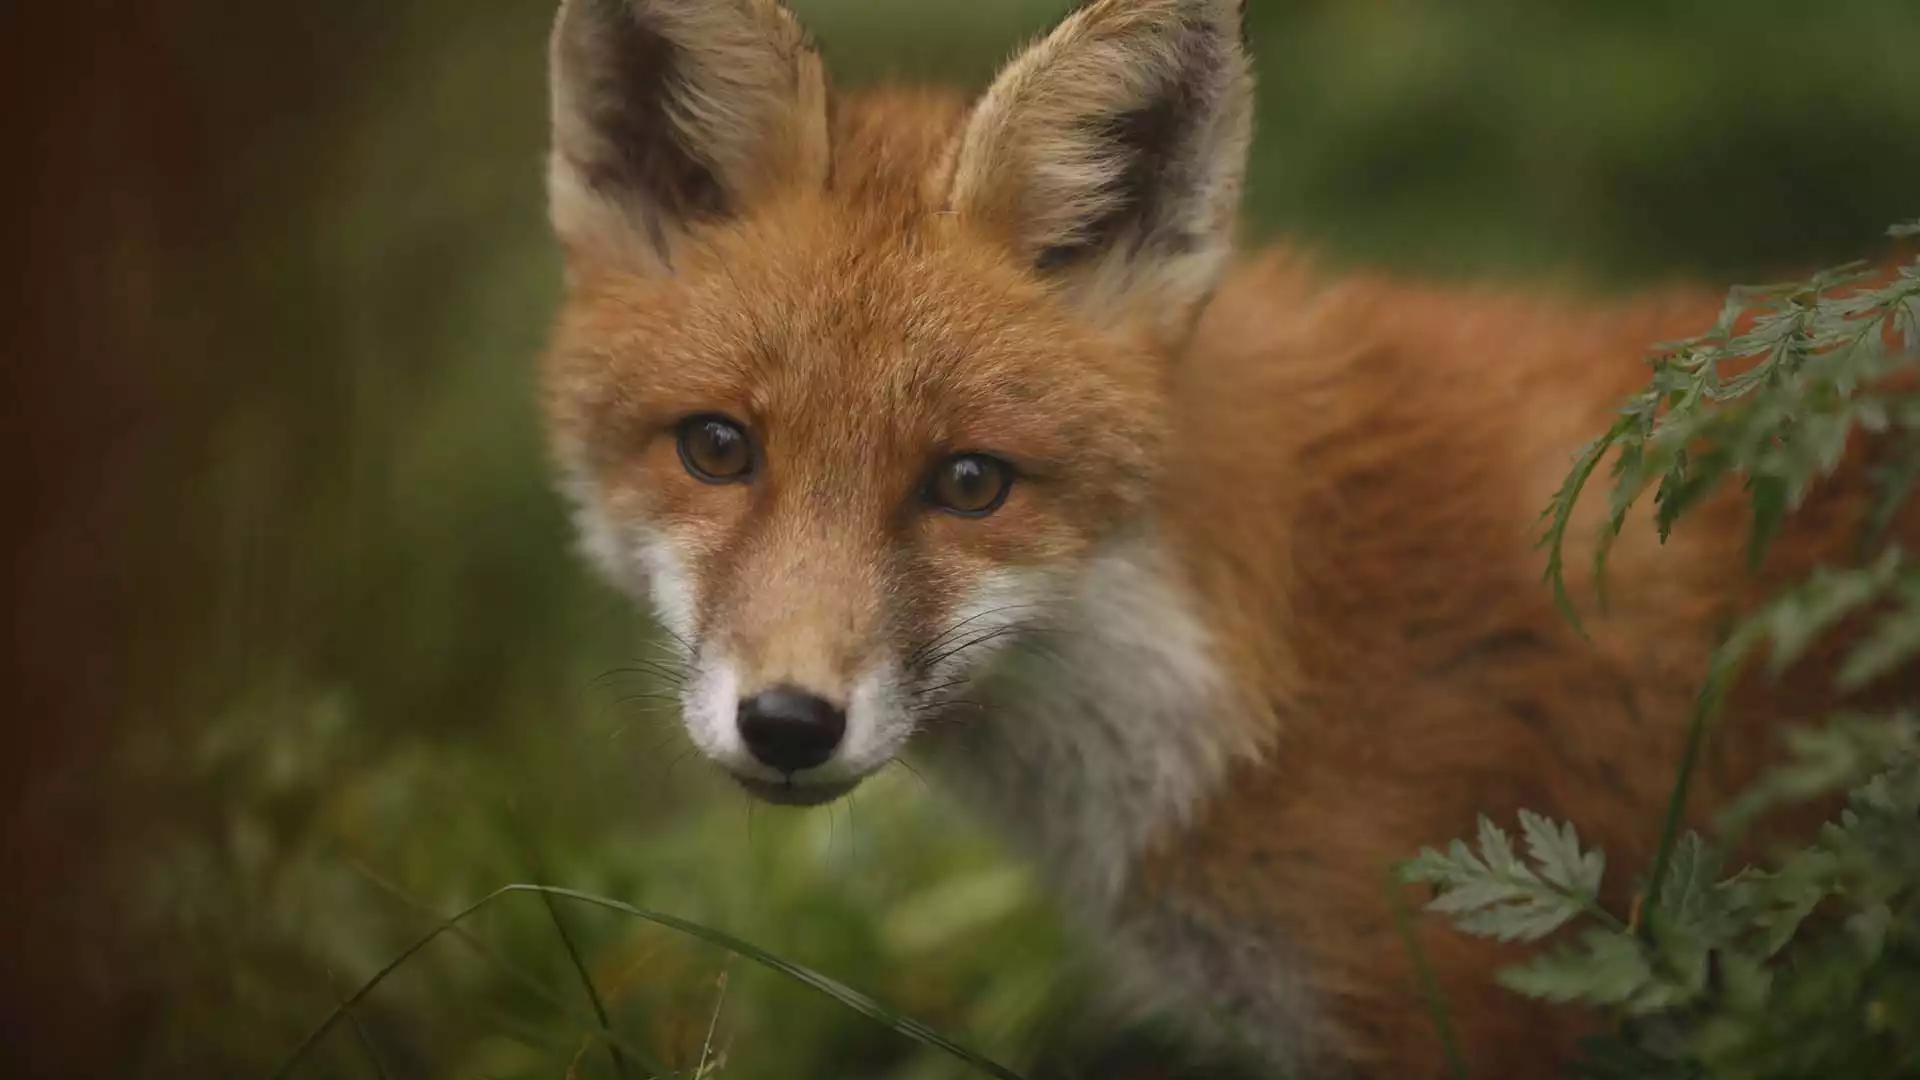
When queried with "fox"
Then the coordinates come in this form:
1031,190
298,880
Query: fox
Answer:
956,429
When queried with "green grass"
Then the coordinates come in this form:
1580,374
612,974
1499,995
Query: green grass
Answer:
378,679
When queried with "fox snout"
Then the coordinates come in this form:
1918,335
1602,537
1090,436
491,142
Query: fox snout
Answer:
774,733
789,730
795,691
788,743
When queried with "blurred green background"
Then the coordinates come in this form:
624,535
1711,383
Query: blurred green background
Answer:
299,658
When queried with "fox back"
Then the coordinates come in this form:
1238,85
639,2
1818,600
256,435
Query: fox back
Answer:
951,429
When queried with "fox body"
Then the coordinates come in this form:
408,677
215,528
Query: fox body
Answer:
952,429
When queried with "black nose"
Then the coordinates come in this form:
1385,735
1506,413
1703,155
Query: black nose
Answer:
789,729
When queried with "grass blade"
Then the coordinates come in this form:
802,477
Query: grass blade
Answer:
845,995
366,1040
713,1025
520,975
586,980
1436,1002
515,828
345,1008
1725,669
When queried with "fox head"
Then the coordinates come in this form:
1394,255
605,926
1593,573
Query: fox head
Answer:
851,391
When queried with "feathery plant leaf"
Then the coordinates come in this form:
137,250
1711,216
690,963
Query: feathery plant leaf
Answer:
1557,849
1559,516
1774,402
1606,968
1496,894
1797,617
1894,641
1809,965
1848,752
1688,902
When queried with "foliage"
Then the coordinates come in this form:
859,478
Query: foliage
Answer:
1811,966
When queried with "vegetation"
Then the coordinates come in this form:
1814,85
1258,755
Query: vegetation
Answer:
1808,966
361,681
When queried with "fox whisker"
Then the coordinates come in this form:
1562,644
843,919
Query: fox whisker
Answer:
946,636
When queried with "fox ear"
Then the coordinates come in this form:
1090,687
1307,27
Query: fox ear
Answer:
671,113
1110,154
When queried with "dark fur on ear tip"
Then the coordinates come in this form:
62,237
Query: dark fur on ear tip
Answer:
669,114
647,146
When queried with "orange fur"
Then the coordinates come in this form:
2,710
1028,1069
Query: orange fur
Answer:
1347,475
1419,433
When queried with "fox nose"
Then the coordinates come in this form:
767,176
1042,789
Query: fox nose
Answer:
789,729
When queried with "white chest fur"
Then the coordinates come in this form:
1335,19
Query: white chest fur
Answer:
1101,733
1099,738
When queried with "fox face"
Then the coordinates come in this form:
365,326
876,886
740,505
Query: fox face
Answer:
853,392
840,498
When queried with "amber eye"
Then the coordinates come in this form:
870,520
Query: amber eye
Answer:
715,450
973,485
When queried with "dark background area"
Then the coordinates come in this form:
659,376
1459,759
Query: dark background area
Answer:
297,652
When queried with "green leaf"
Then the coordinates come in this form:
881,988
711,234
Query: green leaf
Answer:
1844,754
1494,894
1691,898
1560,516
1893,642
1895,479
1799,616
1615,1058
1606,968
1557,849
1497,849
1791,895
1869,928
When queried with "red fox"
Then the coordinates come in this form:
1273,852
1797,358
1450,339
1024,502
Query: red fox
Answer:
952,429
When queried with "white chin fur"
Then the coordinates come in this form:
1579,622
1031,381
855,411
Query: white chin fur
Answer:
878,726
707,707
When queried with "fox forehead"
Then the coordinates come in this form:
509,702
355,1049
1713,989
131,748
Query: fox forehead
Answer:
858,351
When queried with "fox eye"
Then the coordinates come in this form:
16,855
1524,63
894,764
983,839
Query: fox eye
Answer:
972,485
715,449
